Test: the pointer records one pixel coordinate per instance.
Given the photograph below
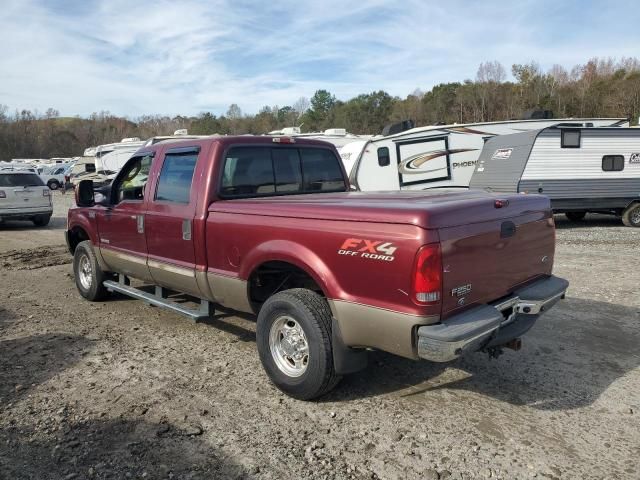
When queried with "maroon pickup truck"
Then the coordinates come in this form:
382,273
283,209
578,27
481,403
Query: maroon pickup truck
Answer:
268,226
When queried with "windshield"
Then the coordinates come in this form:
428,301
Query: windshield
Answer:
20,180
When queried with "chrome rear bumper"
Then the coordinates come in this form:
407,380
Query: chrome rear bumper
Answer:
490,325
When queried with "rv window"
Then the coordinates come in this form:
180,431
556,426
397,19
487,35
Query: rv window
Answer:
90,167
570,139
383,157
613,163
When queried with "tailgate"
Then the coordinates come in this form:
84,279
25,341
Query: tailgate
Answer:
487,260
26,197
19,199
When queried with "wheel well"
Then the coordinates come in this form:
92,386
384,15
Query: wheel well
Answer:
272,277
76,235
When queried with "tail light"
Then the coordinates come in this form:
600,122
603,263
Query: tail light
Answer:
427,275
2,194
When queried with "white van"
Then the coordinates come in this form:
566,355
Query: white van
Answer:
24,196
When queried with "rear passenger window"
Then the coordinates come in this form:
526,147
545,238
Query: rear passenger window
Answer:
613,163
259,171
174,184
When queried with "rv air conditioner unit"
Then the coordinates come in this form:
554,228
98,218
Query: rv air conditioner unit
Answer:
338,132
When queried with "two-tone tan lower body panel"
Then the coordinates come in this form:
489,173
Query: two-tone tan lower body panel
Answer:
367,326
134,266
230,292
175,277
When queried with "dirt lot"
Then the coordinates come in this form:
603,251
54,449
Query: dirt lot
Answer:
123,390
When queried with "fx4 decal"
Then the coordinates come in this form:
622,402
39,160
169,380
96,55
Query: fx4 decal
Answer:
373,249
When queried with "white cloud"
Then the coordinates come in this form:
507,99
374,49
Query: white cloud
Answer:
184,57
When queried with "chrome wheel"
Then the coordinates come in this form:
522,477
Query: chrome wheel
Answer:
85,272
635,216
289,346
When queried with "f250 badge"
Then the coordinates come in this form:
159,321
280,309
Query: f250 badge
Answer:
373,249
461,291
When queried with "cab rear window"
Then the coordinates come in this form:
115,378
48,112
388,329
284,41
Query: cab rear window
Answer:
20,180
268,171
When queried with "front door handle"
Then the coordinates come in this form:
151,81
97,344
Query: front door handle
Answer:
186,229
140,223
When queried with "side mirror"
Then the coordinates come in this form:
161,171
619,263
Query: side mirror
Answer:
84,194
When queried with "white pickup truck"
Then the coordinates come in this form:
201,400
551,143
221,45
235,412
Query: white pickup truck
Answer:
24,196
53,176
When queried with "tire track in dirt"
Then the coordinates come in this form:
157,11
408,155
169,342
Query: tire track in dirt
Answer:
35,258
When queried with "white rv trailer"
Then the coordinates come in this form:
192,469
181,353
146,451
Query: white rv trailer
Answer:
182,134
337,136
440,155
103,162
111,157
580,169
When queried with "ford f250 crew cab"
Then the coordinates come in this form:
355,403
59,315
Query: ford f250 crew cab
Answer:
268,226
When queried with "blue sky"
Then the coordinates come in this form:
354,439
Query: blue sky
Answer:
169,57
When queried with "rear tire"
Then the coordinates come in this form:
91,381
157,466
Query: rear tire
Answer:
294,343
53,184
41,220
631,216
87,272
575,216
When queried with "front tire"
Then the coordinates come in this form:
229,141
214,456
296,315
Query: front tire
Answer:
88,274
294,343
575,216
631,216
53,184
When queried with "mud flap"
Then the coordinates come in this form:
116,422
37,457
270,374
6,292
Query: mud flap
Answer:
345,359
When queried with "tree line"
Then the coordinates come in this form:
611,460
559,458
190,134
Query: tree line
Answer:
602,87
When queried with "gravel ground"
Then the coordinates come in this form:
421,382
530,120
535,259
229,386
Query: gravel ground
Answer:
122,390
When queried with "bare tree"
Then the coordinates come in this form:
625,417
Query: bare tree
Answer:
301,106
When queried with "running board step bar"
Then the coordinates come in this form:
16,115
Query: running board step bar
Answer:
159,299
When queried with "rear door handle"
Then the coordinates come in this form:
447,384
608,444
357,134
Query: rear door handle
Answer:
140,223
